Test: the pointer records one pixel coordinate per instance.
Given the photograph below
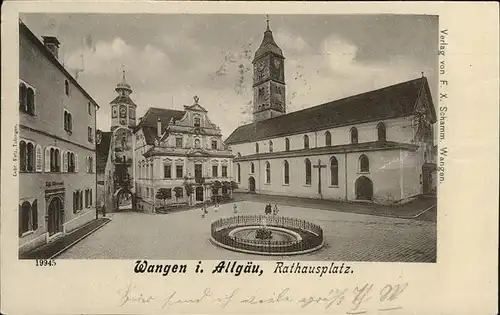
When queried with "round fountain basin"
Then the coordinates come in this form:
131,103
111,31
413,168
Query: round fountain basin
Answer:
248,234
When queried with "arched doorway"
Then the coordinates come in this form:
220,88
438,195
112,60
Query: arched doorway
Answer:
199,193
55,216
123,199
251,184
364,188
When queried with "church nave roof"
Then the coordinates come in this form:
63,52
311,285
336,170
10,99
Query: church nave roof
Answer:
386,103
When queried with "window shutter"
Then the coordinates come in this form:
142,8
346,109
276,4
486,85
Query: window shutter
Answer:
76,163
65,161
20,221
34,209
38,158
47,159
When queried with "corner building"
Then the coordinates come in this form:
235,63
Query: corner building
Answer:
57,121
373,147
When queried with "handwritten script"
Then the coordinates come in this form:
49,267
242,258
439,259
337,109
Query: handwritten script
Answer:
362,299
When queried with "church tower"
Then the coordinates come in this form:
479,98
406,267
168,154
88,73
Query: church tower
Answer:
268,79
122,107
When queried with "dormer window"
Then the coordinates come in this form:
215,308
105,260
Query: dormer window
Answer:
214,144
197,122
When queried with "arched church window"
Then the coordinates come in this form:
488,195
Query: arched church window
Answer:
268,173
334,172
252,168
354,135
197,122
381,131
306,142
308,171
270,146
286,173
287,144
364,164
238,172
328,138
256,148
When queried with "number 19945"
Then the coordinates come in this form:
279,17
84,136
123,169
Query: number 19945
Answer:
45,262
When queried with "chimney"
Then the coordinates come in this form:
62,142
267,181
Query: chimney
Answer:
158,127
52,45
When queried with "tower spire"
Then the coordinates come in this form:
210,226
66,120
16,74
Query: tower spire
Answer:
123,73
123,88
267,22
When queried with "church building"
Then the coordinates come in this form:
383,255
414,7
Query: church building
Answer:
373,147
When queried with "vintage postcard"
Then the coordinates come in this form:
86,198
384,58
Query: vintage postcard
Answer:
189,157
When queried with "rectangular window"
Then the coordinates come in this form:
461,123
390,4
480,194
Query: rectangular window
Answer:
89,108
167,171
214,144
86,198
178,171
224,171
81,200
90,135
215,170
68,121
178,142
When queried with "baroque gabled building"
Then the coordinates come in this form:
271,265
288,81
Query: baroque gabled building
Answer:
180,158
57,123
376,146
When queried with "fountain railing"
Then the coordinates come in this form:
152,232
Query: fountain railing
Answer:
313,236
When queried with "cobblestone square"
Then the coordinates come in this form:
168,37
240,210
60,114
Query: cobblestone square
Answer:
185,235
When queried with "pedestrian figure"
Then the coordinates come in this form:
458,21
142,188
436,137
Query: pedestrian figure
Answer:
235,208
205,208
216,207
275,210
268,209
203,212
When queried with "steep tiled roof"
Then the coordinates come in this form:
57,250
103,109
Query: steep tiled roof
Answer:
24,30
390,102
123,100
268,45
103,151
149,121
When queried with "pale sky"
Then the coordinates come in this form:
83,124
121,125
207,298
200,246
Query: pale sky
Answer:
169,58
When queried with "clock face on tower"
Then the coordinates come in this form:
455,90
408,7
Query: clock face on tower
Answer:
261,70
123,112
